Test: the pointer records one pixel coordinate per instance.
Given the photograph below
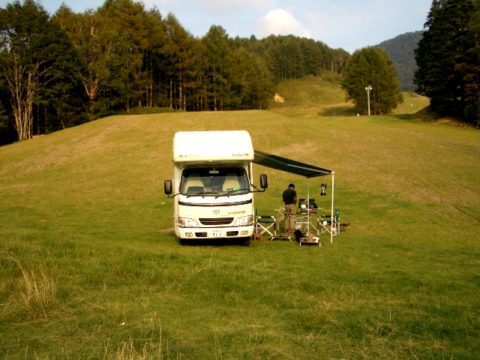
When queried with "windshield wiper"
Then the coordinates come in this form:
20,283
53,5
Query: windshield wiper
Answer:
202,194
232,192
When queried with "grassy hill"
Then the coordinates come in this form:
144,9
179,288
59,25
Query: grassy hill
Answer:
311,96
90,267
323,95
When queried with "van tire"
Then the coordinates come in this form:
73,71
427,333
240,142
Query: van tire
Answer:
246,242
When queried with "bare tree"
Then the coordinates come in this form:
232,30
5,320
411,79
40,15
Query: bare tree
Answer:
24,63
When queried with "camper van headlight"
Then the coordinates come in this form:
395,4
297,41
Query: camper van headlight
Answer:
244,221
185,222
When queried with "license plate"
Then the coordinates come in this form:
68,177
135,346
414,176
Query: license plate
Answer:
216,233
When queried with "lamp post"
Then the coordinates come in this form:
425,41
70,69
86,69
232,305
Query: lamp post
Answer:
368,89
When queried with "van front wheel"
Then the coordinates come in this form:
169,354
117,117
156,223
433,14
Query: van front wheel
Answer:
184,242
246,241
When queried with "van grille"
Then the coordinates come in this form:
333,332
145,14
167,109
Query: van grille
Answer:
216,221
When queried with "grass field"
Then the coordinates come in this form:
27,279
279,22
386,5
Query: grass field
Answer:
91,269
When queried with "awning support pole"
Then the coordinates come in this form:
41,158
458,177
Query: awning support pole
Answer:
332,207
308,208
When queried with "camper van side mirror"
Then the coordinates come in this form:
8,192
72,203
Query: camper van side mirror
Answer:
263,181
167,187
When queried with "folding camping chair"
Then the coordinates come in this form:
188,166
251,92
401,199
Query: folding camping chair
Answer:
324,223
279,219
265,225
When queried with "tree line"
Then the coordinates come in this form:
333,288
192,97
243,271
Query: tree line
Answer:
68,68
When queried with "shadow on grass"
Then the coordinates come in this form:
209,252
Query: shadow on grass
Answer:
426,115
406,117
338,111
215,242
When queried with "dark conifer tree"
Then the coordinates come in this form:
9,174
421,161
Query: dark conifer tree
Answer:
218,56
448,60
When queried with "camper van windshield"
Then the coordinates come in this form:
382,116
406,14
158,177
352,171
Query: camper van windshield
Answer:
221,181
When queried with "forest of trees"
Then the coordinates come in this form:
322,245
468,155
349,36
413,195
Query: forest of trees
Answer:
67,68
64,69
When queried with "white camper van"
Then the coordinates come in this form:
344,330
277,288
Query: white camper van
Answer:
212,185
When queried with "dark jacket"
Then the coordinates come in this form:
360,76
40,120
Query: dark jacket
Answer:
289,196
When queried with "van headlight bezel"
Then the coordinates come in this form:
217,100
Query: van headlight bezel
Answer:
243,221
186,222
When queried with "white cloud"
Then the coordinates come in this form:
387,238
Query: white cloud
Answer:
280,22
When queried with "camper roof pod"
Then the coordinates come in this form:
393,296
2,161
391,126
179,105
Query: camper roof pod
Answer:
227,145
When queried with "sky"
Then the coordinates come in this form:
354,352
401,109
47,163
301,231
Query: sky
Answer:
346,24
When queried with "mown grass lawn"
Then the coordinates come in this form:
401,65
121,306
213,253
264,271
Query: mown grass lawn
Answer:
90,267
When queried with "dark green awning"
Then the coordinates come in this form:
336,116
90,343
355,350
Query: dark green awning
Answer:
288,165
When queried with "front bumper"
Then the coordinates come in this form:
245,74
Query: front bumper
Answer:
215,233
